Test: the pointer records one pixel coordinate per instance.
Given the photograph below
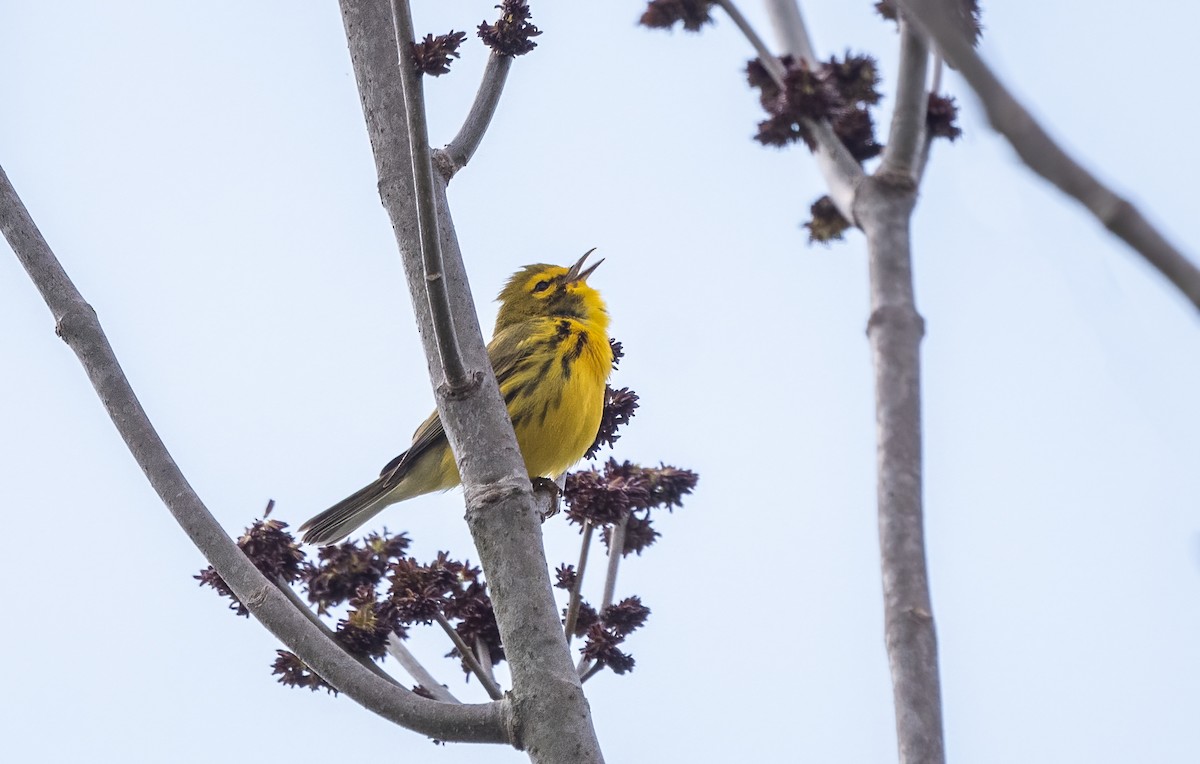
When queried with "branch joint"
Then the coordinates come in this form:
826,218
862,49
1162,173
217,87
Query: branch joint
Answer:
897,316
460,392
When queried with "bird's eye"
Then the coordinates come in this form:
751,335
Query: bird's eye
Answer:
541,286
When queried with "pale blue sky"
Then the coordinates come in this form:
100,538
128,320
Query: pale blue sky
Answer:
204,175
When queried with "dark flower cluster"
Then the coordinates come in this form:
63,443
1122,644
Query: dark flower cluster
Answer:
664,14
433,55
827,223
618,351
272,550
368,624
626,491
511,34
565,577
472,608
294,672
840,91
619,406
418,592
940,117
342,569
605,634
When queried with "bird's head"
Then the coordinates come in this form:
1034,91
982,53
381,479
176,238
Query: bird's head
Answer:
541,291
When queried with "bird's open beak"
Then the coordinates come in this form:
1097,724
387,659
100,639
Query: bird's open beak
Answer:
576,271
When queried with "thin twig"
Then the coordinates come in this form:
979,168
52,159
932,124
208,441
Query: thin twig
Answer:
77,325
483,654
935,85
616,549
906,136
303,607
841,170
468,657
427,218
398,650
1045,157
791,29
460,150
769,60
591,672
576,599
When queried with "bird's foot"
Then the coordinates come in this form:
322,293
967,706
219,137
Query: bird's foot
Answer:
543,484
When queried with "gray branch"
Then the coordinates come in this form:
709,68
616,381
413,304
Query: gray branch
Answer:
935,86
906,138
550,713
841,170
1045,157
576,596
436,293
468,657
398,650
791,29
460,150
78,326
616,548
895,329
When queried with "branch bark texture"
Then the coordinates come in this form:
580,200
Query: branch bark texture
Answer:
551,718
1045,157
906,138
78,326
884,206
462,147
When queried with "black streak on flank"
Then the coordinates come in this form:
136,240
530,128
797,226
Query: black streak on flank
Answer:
572,355
581,342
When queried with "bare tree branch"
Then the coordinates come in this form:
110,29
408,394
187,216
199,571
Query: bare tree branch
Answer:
468,657
398,650
76,323
906,139
483,654
422,169
895,329
460,150
1045,157
841,171
791,30
616,547
551,719
576,598
935,86
616,551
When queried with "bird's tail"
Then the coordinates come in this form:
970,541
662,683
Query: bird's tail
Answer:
343,518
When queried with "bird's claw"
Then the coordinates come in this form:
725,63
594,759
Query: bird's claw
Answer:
547,485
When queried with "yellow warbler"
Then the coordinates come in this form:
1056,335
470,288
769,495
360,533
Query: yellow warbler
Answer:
552,358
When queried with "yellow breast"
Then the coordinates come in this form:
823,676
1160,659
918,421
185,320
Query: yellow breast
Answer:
556,399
